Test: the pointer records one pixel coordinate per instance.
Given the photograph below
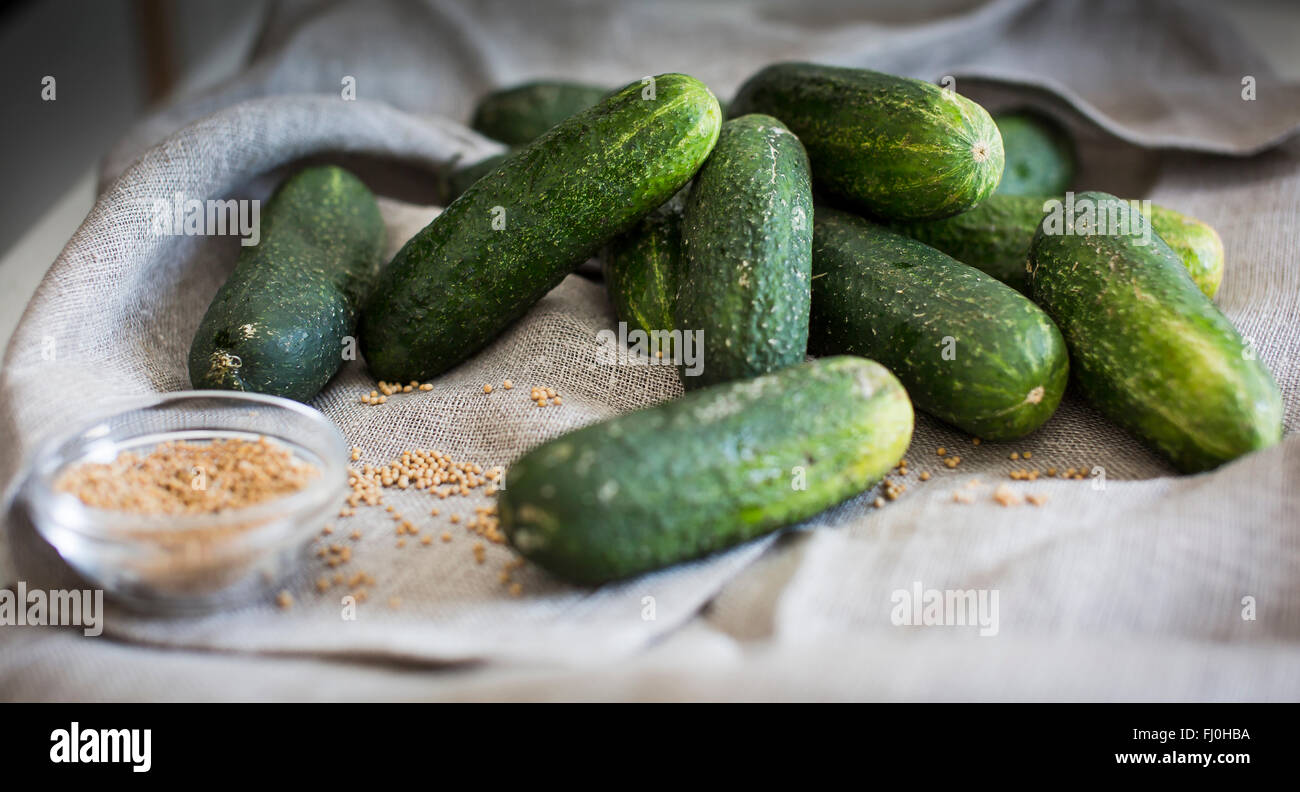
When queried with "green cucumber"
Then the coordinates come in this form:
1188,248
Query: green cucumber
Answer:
1147,347
702,473
283,321
641,270
970,350
995,236
516,232
1197,244
522,113
894,147
1039,154
747,254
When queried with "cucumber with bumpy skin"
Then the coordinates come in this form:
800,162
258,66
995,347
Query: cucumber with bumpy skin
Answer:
970,350
747,254
280,323
994,237
1148,349
1197,244
895,147
519,230
710,470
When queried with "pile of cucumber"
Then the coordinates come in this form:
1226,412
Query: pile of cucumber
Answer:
890,227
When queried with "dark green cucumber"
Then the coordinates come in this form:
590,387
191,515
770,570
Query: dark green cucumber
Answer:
705,472
516,232
995,236
1149,349
522,113
897,148
284,320
460,178
970,350
1039,154
641,270
747,254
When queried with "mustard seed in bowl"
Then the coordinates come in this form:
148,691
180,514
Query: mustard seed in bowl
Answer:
192,500
183,477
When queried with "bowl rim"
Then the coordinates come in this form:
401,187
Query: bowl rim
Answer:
50,506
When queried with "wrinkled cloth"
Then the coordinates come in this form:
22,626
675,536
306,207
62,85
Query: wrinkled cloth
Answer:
1132,584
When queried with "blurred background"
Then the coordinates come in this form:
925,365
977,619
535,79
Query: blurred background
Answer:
114,59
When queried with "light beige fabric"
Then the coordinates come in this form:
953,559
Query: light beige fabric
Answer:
1131,590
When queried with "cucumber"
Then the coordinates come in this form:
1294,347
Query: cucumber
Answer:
460,179
281,321
894,147
522,113
1038,152
1148,349
1197,244
970,350
516,232
641,270
705,472
747,254
995,236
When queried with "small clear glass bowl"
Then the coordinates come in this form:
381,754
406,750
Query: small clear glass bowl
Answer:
190,562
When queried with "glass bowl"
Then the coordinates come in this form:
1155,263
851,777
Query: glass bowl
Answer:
190,562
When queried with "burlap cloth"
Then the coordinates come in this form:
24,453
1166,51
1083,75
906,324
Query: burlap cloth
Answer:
1133,590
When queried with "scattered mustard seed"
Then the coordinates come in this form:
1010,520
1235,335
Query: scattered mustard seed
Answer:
1006,496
